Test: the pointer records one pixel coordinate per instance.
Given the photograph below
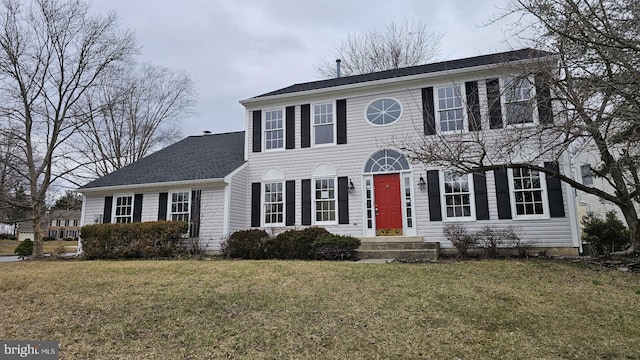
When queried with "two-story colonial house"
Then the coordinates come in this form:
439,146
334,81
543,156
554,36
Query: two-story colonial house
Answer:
325,153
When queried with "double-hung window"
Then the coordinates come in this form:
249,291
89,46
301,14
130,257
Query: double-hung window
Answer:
450,108
587,174
273,129
325,201
528,193
518,103
123,211
273,203
179,207
323,124
458,196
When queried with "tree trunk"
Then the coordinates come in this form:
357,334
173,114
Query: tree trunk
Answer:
37,232
631,217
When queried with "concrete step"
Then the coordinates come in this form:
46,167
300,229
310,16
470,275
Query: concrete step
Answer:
404,245
402,254
374,239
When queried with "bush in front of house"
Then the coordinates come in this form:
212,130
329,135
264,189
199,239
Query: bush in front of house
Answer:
24,249
157,239
605,236
295,244
245,244
335,247
460,238
492,238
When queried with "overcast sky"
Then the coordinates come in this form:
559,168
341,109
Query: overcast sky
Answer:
237,49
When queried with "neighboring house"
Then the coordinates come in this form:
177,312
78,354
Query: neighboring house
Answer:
6,229
200,179
322,153
583,160
56,224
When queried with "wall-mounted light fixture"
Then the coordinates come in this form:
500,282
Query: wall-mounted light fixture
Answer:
422,184
351,187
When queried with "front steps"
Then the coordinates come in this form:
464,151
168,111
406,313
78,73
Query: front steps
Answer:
409,248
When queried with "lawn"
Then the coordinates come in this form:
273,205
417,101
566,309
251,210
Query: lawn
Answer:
7,247
525,309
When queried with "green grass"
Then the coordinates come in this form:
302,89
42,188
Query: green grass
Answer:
531,309
7,247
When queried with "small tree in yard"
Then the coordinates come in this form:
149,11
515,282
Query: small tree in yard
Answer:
460,238
605,236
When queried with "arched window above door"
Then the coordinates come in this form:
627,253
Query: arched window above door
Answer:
385,161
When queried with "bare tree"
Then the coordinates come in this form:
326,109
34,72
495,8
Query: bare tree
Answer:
400,45
51,53
593,84
137,112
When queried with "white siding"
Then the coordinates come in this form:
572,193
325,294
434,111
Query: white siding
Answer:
238,203
212,217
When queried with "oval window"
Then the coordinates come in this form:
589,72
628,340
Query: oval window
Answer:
383,111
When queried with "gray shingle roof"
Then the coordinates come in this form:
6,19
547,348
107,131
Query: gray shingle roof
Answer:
497,58
193,158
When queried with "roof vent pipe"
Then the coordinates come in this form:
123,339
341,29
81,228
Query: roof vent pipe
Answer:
338,61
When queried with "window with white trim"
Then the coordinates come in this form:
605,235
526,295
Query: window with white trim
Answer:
273,129
383,111
457,193
587,174
450,108
179,206
323,124
527,193
123,209
324,200
273,203
518,97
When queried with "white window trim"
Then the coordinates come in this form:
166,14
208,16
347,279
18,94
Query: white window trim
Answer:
263,211
383,98
169,202
313,200
545,200
114,206
264,130
436,106
503,103
443,200
313,124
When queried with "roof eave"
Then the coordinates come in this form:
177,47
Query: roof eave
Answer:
129,187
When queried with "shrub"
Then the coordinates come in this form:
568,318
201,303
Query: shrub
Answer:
295,244
24,249
605,236
246,244
135,240
459,237
491,238
335,247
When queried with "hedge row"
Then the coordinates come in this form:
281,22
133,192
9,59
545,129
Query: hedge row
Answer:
306,244
156,239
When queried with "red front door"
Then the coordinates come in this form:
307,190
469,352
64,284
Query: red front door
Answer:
388,204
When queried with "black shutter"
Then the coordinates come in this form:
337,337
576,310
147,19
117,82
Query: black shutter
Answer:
473,105
255,204
305,126
306,202
554,191
543,99
502,194
493,101
482,201
106,213
433,188
162,206
137,208
290,216
428,111
343,200
290,123
257,131
194,230
341,119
